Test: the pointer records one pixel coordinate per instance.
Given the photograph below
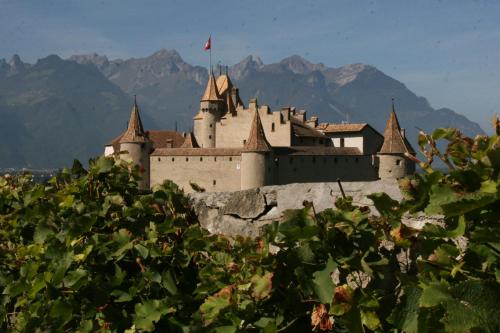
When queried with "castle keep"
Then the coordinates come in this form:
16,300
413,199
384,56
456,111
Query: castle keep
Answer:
233,147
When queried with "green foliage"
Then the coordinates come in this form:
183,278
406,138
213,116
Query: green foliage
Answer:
88,252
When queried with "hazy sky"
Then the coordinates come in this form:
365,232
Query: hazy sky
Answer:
446,51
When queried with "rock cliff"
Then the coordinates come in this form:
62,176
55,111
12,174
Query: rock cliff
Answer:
246,212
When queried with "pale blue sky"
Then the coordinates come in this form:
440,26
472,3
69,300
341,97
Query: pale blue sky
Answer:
447,51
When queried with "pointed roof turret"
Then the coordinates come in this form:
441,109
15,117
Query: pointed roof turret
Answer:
190,141
257,139
211,93
394,141
135,131
224,84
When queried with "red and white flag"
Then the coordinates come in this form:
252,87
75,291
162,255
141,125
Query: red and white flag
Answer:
208,44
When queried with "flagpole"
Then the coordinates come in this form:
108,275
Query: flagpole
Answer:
210,38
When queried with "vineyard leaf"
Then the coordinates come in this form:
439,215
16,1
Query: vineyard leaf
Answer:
405,314
168,282
150,312
435,231
475,304
370,319
323,284
61,309
226,329
262,285
434,294
211,308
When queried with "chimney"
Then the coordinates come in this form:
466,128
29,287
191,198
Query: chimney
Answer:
234,95
253,104
403,133
312,122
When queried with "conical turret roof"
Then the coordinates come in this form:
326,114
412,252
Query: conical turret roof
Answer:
394,142
224,84
211,93
135,131
190,141
257,139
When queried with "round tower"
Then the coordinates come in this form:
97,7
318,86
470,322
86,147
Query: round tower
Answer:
211,110
135,147
256,158
393,160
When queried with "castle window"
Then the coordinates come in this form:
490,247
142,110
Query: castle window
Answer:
357,159
342,143
159,159
272,127
173,159
214,182
142,145
320,140
215,159
210,137
335,160
301,140
230,159
187,159
244,141
398,162
210,125
314,159
201,159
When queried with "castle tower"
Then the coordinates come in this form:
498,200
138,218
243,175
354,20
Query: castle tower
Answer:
211,110
256,158
393,160
135,146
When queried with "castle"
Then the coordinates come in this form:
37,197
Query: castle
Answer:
233,147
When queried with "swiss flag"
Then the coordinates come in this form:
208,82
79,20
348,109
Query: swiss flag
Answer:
208,44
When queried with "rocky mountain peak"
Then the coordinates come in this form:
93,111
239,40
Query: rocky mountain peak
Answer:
349,73
99,61
299,65
245,66
170,55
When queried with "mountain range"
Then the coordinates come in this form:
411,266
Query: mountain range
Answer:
59,109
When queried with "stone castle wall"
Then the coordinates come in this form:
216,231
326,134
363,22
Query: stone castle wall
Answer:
213,173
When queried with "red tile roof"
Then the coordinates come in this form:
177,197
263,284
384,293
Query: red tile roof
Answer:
197,152
394,142
257,139
331,128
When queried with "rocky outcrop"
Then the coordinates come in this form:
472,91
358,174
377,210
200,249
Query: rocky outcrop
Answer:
245,212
